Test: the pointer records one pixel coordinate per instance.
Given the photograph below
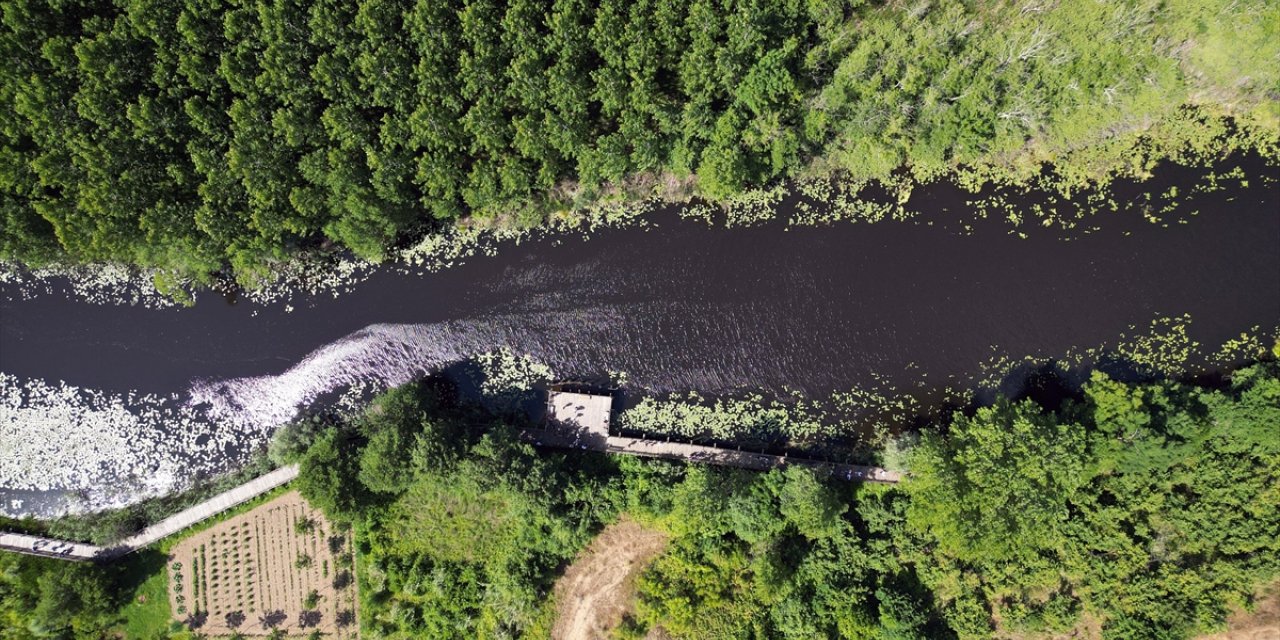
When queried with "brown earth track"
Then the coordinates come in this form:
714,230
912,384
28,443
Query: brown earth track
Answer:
1262,624
595,592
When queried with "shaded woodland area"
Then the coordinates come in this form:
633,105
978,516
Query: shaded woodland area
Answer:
195,135
1135,510
1147,510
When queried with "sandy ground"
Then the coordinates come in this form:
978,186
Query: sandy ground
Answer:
245,574
596,591
657,633
1262,624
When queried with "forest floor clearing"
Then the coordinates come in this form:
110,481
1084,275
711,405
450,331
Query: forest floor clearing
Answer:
280,565
1262,624
596,591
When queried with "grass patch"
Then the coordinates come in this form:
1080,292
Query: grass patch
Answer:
147,613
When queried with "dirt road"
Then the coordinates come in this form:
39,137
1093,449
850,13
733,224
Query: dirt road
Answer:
596,591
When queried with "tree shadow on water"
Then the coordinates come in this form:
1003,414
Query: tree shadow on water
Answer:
1049,384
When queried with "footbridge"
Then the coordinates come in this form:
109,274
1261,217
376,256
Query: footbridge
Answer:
581,421
68,550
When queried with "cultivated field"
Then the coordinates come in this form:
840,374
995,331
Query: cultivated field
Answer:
280,566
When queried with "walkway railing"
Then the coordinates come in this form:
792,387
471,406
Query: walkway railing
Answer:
67,550
704,454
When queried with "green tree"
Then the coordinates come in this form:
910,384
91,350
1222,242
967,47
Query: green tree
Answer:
995,488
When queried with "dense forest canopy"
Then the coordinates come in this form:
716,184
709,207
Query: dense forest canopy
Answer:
191,134
1143,510
1133,510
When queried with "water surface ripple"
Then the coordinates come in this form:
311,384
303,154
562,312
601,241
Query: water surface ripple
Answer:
682,306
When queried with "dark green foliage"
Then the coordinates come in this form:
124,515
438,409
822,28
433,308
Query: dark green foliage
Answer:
44,598
783,556
194,134
996,487
1149,508
403,435
328,470
461,527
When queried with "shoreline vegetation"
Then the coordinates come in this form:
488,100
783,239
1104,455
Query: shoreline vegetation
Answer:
192,141
1135,509
860,424
1125,510
152,151
330,270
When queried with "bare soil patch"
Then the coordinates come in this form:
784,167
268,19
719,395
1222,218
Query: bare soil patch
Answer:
596,591
279,566
1262,624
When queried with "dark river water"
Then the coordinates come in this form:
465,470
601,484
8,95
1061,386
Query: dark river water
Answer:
683,306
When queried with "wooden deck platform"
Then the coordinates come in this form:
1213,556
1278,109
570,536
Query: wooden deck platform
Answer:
581,421
585,416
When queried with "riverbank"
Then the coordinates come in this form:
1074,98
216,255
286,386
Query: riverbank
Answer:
986,491
876,312
537,109
71,550
436,483
1166,194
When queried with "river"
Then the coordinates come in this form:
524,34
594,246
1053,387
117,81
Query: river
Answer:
678,306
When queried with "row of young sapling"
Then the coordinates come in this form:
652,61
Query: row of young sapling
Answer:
227,565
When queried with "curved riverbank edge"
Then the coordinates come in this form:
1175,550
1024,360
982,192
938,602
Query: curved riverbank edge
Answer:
1026,208
68,550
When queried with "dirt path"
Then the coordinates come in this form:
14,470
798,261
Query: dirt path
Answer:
595,592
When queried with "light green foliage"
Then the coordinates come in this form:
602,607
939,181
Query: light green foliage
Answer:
192,135
810,505
1146,508
751,417
1154,507
459,526
996,487
506,377
782,555
1163,348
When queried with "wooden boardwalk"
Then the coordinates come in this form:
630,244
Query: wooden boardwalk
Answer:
704,454
743,459
48,547
52,548
581,421
576,421
211,507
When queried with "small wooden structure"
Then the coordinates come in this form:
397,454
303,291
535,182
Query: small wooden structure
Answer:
579,419
582,417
